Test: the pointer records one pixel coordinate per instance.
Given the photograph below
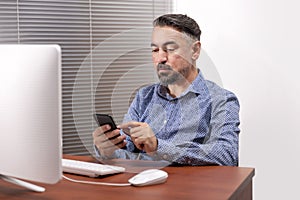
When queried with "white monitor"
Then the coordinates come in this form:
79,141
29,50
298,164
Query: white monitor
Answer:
30,112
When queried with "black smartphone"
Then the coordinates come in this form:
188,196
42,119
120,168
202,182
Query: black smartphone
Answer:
103,119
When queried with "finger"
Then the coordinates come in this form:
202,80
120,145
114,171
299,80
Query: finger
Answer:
100,139
103,145
136,131
129,125
139,145
139,140
118,140
100,130
108,146
112,134
122,144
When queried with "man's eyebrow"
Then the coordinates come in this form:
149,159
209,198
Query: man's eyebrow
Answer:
165,44
170,42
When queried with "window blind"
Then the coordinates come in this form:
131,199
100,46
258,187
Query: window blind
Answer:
106,54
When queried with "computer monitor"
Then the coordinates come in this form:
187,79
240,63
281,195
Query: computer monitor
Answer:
30,112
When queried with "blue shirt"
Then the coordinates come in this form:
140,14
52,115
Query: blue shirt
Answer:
200,127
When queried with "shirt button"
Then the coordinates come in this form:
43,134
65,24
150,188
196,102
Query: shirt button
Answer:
165,121
165,156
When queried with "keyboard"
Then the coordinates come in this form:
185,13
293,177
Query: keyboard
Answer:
88,168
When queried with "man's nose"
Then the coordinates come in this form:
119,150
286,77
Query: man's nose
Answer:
162,56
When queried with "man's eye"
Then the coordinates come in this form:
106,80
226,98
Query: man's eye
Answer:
170,49
154,50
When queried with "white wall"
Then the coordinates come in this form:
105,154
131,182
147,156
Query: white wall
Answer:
255,46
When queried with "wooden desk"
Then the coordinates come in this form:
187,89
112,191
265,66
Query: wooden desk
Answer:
206,182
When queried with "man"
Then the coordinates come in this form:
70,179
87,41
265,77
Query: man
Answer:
184,119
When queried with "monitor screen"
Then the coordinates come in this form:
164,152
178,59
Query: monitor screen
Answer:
30,112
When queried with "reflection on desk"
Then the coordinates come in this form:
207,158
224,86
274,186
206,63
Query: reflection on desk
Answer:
201,182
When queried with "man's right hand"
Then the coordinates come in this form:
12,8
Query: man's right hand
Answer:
108,142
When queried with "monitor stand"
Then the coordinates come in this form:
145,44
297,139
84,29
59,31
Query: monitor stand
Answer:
22,183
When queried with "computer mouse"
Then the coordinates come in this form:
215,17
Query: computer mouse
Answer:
149,177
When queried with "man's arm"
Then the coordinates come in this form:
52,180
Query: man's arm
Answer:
220,146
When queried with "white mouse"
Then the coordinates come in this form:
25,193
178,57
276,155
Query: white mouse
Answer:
149,177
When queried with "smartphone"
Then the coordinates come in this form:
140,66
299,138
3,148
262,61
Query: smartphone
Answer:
103,119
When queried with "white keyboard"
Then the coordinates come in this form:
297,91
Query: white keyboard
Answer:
88,168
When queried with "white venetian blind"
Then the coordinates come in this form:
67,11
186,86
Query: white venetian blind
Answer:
105,54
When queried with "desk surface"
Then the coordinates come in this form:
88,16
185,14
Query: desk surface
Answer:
201,182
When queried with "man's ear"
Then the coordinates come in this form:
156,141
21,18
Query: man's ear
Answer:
196,50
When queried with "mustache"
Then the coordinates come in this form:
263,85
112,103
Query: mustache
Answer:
163,66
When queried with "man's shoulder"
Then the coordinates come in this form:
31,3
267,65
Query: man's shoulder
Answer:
145,95
216,90
148,89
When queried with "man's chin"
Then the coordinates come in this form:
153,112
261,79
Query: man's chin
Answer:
166,80
169,78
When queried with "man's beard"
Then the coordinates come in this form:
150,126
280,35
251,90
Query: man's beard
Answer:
170,76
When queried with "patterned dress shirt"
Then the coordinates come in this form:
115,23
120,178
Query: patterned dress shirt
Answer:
200,127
